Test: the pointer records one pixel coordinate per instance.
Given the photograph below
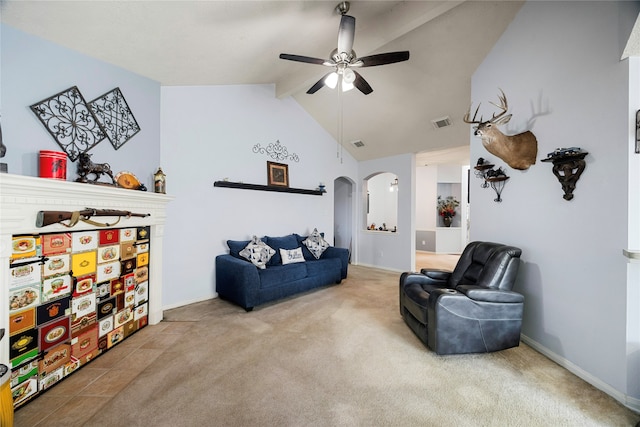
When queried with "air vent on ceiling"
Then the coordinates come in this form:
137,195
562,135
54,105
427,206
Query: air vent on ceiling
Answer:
442,122
358,144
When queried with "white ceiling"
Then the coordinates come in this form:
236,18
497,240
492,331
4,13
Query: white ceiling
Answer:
183,42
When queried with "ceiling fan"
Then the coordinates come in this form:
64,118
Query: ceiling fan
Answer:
344,58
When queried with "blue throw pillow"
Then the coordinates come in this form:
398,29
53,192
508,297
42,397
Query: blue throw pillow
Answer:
277,243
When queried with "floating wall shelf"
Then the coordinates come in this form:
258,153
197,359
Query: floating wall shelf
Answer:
243,186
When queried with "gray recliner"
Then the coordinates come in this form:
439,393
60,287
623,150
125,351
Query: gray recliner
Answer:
469,310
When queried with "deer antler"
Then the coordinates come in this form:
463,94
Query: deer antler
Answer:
503,106
472,121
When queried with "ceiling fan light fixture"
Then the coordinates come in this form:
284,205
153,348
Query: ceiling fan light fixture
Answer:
346,86
331,80
348,75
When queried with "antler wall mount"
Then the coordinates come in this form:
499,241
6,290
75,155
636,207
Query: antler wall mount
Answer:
518,151
343,59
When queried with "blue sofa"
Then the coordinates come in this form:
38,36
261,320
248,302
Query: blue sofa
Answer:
241,282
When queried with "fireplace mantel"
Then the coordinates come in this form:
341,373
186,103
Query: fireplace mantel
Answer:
21,197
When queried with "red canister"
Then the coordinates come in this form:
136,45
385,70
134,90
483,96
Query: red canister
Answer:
53,164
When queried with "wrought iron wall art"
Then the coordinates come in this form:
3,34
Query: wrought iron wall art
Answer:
568,165
276,151
113,113
638,131
481,168
496,179
70,122
3,151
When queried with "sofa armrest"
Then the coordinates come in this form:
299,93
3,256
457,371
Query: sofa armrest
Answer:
342,254
479,293
237,281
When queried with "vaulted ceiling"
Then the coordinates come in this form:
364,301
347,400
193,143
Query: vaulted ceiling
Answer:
238,42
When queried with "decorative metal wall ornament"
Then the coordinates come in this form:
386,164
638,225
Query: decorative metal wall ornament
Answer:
276,151
70,122
496,179
568,165
3,151
113,113
481,168
638,132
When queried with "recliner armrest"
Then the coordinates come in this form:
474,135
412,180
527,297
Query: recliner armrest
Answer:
479,293
436,274
438,280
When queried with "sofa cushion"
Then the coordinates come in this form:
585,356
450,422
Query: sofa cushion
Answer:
284,242
291,256
316,244
325,267
258,252
279,275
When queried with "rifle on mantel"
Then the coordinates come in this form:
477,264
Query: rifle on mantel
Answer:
45,218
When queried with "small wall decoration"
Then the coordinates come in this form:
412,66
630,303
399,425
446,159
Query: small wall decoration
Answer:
70,122
481,169
568,165
3,151
518,151
117,120
638,132
496,179
277,174
276,151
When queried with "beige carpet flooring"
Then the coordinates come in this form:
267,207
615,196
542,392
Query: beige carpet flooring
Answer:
338,356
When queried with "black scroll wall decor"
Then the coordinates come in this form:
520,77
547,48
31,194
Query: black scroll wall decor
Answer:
70,122
113,113
276,151
77,125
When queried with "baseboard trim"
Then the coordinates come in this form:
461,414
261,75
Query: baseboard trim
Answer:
628,401
183,303
379,267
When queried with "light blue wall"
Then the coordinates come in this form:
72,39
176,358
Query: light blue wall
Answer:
208,134
34,69
551,62
392,251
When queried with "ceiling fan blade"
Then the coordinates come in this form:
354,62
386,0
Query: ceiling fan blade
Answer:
300,58
362,84
383,58
346,34
319,84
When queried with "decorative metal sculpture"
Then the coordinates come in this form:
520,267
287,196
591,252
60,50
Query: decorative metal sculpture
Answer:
70,122
568,165
276,151
496,178
518,151
87,167
117,120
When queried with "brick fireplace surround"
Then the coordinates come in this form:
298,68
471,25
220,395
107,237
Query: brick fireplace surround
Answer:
21,197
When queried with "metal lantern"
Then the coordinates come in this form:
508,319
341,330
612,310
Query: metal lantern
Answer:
159,182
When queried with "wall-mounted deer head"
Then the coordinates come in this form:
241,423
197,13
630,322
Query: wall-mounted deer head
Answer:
518,151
